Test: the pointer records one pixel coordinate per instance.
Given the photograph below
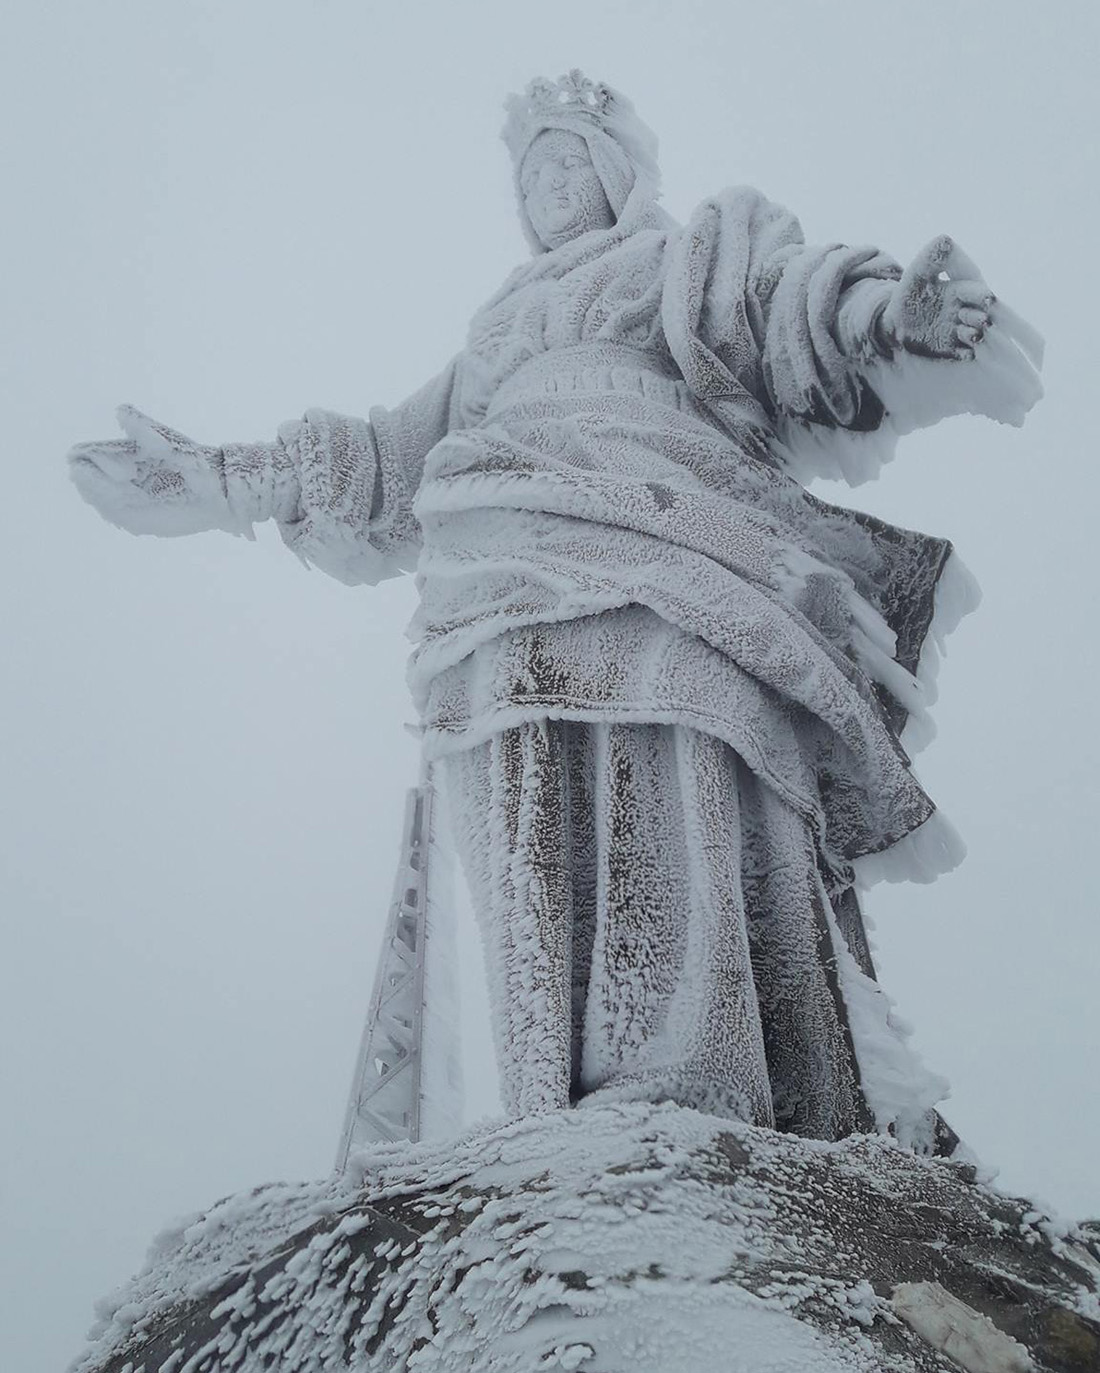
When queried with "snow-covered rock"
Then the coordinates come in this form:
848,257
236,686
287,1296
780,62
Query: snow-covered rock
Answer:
648,1238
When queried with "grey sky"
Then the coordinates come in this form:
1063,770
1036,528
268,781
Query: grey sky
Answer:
225,213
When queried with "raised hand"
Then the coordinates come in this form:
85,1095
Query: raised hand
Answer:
154,481
942,308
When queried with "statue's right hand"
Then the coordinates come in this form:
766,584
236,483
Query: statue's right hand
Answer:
154,481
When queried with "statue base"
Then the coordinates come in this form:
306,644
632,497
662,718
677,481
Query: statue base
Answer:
648,1238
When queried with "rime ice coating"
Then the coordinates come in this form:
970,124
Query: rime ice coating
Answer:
600,495
619,1236
611,535
623,149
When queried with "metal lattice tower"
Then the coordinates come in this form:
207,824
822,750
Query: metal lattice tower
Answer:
386,1094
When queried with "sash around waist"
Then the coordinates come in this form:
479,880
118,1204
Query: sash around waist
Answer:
593,368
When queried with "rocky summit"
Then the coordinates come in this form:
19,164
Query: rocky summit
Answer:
611,1238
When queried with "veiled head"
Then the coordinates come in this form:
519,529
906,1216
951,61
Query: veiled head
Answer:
614,182
561,189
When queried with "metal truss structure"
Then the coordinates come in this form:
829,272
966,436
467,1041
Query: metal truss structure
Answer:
386,1094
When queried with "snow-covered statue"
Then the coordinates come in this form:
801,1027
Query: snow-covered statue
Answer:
669,691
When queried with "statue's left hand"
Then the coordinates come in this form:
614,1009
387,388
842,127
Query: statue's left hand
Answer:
941,307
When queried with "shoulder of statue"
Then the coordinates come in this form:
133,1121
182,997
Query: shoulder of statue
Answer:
742,205
740,227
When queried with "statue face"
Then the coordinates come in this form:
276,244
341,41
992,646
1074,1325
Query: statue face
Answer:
562,194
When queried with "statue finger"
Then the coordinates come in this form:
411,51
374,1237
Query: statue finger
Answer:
966,333
149,433
925,267
94,446
82,467
960,266
137,426
93,483
975,317
933,257
115,458
974,294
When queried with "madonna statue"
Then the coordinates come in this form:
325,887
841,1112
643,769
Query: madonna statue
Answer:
670,693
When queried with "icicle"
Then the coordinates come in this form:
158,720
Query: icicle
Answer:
921,856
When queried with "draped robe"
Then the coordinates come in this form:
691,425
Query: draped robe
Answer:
665,683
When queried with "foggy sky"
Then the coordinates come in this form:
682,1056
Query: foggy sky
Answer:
227,212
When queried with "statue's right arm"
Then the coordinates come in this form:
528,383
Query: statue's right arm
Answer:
339,488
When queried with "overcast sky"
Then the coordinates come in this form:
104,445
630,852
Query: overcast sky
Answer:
225,211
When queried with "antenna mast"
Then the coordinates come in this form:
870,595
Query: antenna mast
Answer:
386,1097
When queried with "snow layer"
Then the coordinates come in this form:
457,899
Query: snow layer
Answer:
652,1238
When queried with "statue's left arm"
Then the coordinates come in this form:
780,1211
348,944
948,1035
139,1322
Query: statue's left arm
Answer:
838,348
857,353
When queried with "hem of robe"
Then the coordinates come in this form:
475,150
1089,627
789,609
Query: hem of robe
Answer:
820,682
957,595
901,1092
922,855
932,847
927,847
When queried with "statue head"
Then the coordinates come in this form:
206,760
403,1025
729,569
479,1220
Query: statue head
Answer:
562,194
582,158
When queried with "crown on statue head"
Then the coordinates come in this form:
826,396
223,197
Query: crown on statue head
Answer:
570,96
574,91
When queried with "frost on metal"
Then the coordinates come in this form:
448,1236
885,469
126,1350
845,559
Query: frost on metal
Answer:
617,1237
408,1080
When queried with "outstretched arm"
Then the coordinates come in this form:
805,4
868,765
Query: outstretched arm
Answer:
340,488
857,352
940,308
831,352
938,342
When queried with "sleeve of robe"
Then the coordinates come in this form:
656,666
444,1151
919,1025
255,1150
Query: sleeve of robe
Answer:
781,343
357,480
761,321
